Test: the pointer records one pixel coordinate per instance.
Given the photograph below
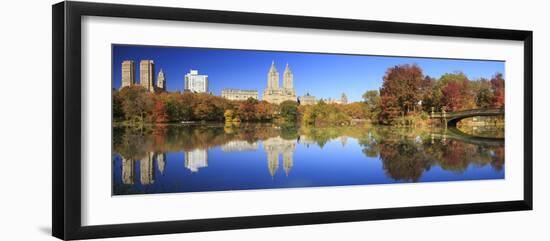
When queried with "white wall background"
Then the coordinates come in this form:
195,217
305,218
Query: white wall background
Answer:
25,119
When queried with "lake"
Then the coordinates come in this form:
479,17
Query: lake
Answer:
218,157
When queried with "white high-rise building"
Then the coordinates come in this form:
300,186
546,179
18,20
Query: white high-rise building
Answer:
195,82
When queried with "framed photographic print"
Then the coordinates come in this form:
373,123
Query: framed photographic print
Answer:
170,120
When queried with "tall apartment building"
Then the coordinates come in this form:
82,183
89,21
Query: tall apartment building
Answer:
128,73
146,74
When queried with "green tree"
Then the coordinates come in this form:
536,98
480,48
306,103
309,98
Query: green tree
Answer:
289,111
431,94
372,99
323,114
178,107
484,94
118,103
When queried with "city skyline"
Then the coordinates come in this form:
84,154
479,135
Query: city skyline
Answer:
321,75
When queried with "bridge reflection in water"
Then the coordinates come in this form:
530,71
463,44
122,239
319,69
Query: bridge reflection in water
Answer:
457,134
215,158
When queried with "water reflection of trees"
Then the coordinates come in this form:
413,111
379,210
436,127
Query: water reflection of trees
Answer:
133,143
405,153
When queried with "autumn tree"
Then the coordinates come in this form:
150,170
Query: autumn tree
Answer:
265,111
138,103
207,107
452,96
159,112
400,91
247,110
356,110
229,116
497,86
456,92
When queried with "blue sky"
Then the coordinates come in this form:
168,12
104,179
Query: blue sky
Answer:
321,75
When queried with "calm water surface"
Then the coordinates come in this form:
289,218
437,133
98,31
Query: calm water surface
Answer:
216,157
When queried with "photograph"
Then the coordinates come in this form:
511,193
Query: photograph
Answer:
197,119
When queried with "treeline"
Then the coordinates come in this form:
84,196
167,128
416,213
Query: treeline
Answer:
135,105
406,90
406,97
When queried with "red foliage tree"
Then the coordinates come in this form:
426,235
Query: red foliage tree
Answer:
400,91
497,86
247,109
456,92
452,96
159,112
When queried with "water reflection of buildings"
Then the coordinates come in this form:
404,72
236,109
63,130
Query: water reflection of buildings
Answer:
161,162
196,159
274,147
305,140
239,146
343,140
146,168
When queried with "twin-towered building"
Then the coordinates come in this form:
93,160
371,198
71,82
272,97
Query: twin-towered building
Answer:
273,93
146,75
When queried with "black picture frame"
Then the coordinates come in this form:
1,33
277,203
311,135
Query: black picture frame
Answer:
66,127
